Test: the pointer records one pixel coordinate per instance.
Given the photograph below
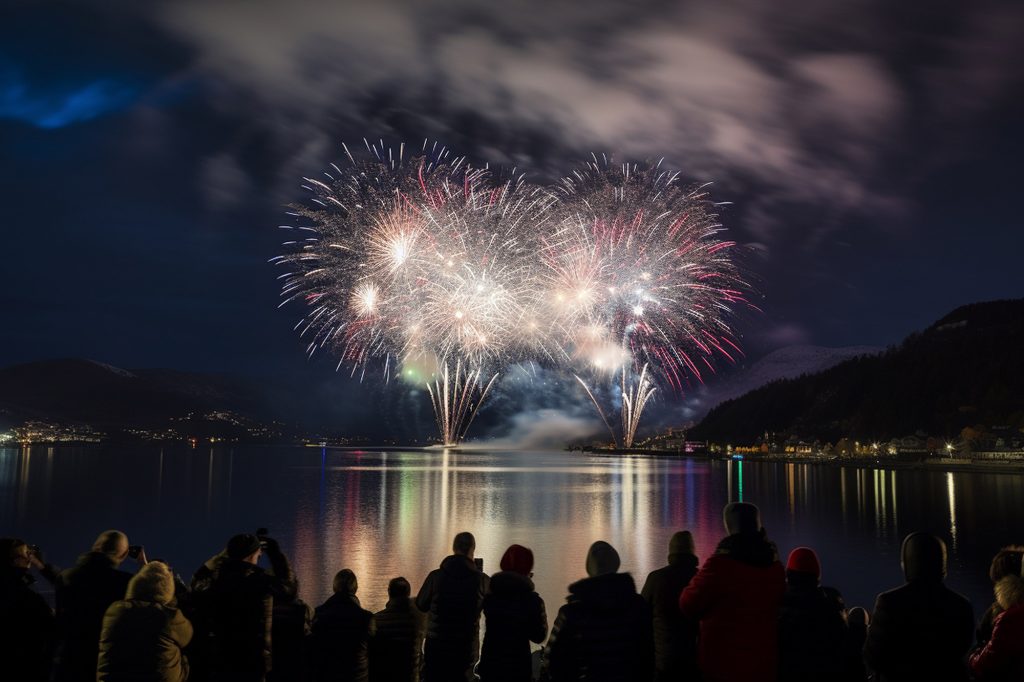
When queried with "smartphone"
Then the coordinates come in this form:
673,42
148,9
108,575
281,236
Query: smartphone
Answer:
479,564
134,551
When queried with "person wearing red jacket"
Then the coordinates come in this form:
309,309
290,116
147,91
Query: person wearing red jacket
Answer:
736,597
1002,657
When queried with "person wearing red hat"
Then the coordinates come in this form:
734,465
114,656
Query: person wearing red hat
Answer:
812,623
515,617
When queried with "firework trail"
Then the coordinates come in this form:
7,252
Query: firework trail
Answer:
456,398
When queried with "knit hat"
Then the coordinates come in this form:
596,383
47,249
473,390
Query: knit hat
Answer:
681,543
602,559
741,517
804,560
518,559
242,546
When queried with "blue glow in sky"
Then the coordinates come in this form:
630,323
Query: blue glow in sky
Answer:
60,106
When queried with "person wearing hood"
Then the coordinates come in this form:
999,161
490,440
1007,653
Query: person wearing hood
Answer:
396,650
233,601
515,617
453,596
1002,657
736,596
675,636
27,627
1007,561
603,632
84,592
342,630
144,634
922,630
812,623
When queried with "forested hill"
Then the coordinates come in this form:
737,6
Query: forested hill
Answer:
967,369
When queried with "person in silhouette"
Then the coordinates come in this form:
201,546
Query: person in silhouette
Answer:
515,617
342,630
27,626
453,597
812,623
736,597
675,636
396,650
603,632
921,630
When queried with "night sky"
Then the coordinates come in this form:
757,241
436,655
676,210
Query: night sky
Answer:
871,151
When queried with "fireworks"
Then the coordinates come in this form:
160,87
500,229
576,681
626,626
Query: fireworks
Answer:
430,263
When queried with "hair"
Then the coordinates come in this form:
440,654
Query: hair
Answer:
464,543
113,543
154,582
8,547
345,582
1007,561
399,588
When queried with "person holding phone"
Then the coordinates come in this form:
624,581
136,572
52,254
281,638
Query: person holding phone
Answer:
453,597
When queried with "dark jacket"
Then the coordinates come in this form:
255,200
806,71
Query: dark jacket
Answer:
84,592
396,650
27,628
675,636
920,631
290,640
1002,658
603,632
812,632
342,630
515,617
142,641
233,602
453,597
736,596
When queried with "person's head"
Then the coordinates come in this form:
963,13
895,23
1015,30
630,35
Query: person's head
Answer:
681,543
858,616
923,557
345,582
14,553
244,547
464,544
602,559
803,567
518,559
741,517
154,582
399,588
1007,561
112,543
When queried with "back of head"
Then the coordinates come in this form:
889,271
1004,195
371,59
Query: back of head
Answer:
242,546
399,588
517,559
858,616
1007,561
602,559
464,543
345,582
154,582
9,549
923,557
741,517
681,543
803,566
112,543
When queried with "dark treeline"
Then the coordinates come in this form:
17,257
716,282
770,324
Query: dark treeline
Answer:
743,615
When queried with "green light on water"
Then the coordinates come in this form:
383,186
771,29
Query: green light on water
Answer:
741,480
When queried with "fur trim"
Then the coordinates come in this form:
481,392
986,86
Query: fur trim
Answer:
153,582
1010,591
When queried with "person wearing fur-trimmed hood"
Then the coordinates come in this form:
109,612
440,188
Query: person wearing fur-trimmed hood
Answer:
1002,658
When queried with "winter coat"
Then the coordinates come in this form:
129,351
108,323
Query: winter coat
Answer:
84,592
396,650
233,602
1002,658
27,628
453,596
984,631
342,630
736,596
812,632
920,631
290,632
142,641
603,632
515,617
675,636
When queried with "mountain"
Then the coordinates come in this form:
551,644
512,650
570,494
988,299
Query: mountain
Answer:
964,370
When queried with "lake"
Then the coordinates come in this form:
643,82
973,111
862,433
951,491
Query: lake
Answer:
385,513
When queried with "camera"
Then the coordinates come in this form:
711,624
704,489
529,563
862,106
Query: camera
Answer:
34,550
262,534
134,551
